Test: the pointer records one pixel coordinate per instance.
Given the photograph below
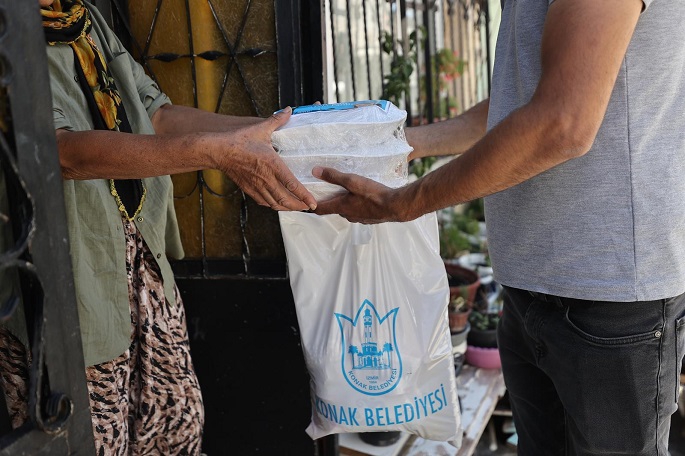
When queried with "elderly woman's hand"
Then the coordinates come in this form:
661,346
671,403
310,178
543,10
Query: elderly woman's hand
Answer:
253,164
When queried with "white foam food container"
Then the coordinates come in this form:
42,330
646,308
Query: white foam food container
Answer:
362,137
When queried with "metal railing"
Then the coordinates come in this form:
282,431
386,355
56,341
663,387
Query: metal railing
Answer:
432,58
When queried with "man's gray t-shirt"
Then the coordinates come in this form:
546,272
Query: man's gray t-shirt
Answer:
609,225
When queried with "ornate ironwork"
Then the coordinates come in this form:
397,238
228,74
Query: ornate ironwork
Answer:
232,50
293,90
38,258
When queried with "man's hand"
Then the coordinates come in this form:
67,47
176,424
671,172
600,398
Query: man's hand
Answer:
366,202
256,168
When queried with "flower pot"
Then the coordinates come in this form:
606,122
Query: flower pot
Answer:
462,282
458,319
482,338
386,438
487,358
483,331
459,337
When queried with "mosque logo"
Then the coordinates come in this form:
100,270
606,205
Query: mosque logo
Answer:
371,361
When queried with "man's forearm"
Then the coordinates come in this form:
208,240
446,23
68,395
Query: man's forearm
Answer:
530,141
449,137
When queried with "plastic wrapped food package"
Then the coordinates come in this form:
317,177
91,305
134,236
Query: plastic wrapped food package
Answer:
365,138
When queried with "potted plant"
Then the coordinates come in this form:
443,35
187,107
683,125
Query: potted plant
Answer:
459,234
482,350
464,287
483,331
463,282
458,312
447,66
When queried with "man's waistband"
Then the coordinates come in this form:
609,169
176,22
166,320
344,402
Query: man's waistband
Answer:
552,299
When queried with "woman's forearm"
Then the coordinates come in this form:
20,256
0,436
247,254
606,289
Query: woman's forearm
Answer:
176,119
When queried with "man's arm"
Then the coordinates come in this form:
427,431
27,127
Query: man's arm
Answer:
244,153
583,45
449,137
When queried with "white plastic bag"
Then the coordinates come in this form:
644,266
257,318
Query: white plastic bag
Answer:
371,303
371,299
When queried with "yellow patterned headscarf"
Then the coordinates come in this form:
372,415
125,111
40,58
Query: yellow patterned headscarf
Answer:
68,22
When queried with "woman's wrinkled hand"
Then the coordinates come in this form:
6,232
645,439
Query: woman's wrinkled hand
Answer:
253,164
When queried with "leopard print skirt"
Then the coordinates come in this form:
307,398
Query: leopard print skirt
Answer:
148,400
15,361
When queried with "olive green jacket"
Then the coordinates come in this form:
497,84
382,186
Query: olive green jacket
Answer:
96,235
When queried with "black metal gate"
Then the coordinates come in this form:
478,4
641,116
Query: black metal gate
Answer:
35,267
